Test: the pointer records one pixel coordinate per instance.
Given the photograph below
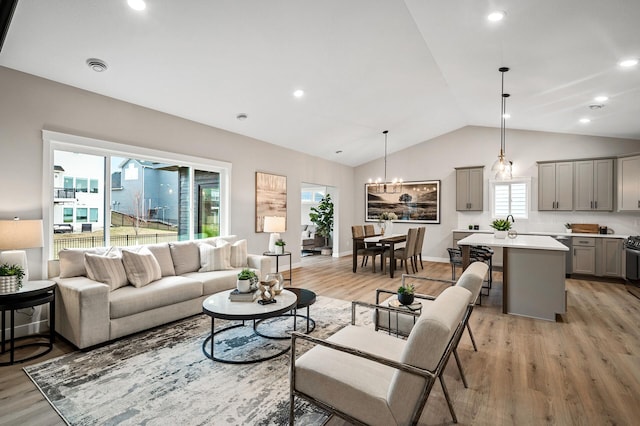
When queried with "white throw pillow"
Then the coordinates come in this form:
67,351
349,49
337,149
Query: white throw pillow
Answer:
239,254
106,269
141,267
214,258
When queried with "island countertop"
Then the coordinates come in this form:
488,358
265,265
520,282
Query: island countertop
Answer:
536,242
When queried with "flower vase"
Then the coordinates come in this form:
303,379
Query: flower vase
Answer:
388,228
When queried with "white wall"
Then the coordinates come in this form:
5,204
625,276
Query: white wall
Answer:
29,104
479,146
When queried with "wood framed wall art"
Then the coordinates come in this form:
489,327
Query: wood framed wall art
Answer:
412,202
271,197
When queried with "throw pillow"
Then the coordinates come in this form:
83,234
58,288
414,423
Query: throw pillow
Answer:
141,267
106,269
163,256
185,256
214,258
239,254
72,261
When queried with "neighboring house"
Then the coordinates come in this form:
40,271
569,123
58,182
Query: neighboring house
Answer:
146,190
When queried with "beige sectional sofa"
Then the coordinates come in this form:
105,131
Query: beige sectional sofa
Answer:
107,293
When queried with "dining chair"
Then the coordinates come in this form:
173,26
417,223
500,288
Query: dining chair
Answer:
405,254
363,250
417,255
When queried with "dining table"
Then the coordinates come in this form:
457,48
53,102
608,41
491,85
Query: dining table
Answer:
382,240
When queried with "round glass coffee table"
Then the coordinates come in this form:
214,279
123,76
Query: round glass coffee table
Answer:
219,306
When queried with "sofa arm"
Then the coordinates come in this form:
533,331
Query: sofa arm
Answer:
261,263
82,311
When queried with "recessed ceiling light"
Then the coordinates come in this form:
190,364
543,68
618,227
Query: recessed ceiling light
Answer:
98,65
298,93
506,116
601,99
137,4
496,16
585,120
626,63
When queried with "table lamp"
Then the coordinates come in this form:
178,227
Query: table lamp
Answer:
19,234
275,225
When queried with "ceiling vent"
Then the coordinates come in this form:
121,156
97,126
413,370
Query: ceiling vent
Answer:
97,65
596,106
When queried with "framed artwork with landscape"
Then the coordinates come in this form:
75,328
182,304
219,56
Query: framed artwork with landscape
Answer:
271,197
412,202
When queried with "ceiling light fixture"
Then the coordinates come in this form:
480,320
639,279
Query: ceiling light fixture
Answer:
601,99
382,186
298,93
502,167
596,106
585,120
628,63
496,16
98,65
137,4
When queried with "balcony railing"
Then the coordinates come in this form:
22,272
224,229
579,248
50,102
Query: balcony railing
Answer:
89,241
64,193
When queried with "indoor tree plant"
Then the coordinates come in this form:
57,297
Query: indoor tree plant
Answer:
501,227
322,217
10,277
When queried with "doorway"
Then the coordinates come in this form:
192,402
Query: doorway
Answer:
313,244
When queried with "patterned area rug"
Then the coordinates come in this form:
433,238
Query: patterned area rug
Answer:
161,376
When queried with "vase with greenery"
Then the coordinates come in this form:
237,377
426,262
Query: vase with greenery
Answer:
385,219
10,277
247,279
322,217
501,227
406,294
280,246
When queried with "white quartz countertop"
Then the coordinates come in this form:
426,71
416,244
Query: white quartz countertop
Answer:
536,242
564,234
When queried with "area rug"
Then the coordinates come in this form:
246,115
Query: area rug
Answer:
161,376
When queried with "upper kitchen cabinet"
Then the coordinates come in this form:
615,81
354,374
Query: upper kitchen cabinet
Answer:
555,186
594,184
629,183
469,184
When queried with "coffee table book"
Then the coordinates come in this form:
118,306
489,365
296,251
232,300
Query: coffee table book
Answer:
236,296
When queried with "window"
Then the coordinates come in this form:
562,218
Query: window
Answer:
68,182
81,214
510,198
93,186
93,215
81,185
67,215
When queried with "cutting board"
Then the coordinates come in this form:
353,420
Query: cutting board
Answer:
585,228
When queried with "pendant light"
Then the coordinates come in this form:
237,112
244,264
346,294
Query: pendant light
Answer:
502,167
393,187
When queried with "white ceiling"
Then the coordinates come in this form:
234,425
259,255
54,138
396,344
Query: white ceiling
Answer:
419,68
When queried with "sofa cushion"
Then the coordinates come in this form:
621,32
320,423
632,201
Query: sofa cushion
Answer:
141,266
129,300
215,281
72,261
163,256
214,258
185,256
106,269
239,254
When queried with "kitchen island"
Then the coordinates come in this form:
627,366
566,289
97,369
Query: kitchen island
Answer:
533,273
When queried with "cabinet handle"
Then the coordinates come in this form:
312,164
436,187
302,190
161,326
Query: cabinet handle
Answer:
595,203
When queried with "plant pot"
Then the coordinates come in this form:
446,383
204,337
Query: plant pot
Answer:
243,286
9,284
501,235
405,298
279,249
326,251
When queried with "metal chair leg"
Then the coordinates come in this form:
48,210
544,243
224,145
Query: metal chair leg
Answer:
464,379
446,396
473,341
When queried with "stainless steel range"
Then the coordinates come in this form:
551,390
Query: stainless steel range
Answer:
632,249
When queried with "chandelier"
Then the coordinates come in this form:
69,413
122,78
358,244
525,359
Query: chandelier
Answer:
383,186
503,167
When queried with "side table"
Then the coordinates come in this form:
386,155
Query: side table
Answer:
32,293
277,256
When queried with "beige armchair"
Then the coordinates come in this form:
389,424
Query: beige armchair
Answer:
372,378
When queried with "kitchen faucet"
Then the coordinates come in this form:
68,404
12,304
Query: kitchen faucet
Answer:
512,219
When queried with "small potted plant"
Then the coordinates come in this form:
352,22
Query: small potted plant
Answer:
501,227
406,294
280,246
246,279
10,278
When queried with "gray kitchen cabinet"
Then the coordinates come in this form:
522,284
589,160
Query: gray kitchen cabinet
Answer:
555,186
594,185
629,183
609,257
469,188
584,255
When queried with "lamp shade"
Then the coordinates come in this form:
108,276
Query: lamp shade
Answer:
20,234
275,224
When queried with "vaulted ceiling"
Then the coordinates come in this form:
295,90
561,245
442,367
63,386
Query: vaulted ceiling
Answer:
417,68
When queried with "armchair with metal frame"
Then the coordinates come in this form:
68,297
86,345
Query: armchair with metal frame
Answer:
367,377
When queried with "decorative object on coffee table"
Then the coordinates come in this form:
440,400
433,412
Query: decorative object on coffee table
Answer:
406,294
245,279
277,276
267,291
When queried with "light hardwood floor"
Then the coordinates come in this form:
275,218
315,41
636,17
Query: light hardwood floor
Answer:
582,370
